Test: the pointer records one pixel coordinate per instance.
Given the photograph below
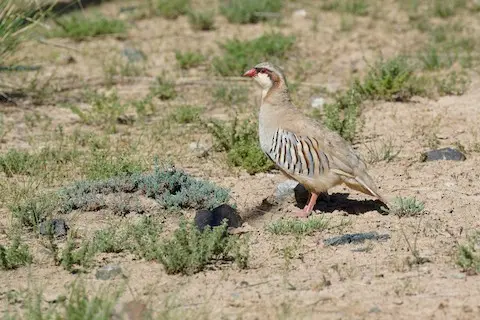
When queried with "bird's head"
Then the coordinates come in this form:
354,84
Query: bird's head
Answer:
267,75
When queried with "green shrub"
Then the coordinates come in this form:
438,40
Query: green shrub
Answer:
447,8
202,20
240,55
241,144
80,26
172,9
189,59
249,11
34,210
15,255
190,250
76,256
298,227
453,84
173,189
391,80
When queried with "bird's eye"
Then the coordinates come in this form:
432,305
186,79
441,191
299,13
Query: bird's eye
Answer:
263,70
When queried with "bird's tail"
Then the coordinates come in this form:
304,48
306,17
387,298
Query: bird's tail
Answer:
365,184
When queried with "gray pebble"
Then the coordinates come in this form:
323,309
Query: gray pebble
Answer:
355,238
108,272
57,227
443,154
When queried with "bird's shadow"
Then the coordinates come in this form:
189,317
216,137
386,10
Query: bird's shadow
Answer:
340,201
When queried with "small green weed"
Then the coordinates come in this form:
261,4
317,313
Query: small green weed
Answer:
391,80
80,26
341,115
202,20
385,152
15,255
238,55
249,11
468,254
189,59
105,111
186,114
298,227
33,210
121,68
355,7
406,207
172,9
241,144
231,96
190,250
163,89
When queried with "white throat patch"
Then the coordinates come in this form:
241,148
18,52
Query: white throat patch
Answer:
264,81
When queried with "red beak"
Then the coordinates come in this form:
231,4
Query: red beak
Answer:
250,73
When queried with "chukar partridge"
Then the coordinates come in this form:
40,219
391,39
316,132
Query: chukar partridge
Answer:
301,147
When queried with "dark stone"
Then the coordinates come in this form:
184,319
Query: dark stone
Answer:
57,227
443,154
204,218
355,238
134,55
108,272
301,195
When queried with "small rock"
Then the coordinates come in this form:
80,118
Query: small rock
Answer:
459,276
66,59
108,272
317,103
204,218
300,13
134,55
56,227
355,238
285,189
198,149
443,154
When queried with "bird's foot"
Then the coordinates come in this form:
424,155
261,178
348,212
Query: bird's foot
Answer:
302,213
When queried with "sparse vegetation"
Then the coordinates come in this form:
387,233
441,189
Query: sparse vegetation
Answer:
240,141
105,110
231,96
453,84
385,152
406,207
391,80
15,255
238,55
186,114
298,227
202,20
171,9
80,26
249,11
189,59
163,89
103,165
468,254
356,7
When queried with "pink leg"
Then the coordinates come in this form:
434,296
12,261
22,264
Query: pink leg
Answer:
309,207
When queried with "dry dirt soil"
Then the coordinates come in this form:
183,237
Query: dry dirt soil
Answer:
287,277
